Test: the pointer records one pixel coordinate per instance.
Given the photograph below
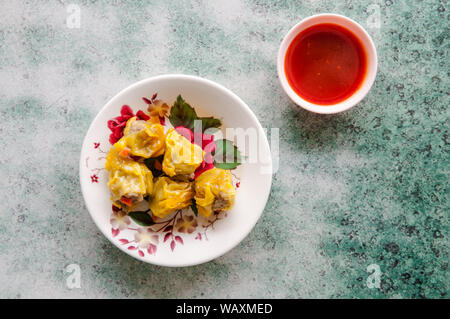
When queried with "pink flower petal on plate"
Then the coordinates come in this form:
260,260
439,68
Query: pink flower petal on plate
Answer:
118,133
208,138
210,147
204,140
113,139
179,239
208,159
119,119
167,236
115,232
172,245
124,241
142,116
127,111
122,124
199,236
119,122
152,249
187,133
113,124
203,168
132,248
141,253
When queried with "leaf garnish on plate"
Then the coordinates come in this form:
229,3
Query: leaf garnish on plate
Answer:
226,155
209,122
182,114
142,218
194,207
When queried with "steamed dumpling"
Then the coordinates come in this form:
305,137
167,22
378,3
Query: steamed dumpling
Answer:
182,157
143,138
170,195
128,181
214,191
134,125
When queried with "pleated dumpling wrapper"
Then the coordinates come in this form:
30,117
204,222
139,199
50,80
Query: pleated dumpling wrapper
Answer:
182,157
214,191
129,181
170,195
143,138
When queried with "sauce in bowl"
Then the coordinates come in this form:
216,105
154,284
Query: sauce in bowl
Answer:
325,64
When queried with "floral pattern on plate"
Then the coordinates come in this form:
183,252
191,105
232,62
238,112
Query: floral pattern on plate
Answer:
138,231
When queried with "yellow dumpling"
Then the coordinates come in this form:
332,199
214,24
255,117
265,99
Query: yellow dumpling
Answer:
182,157
170,195
114,161
128,180
214,191
133,126
143,138
131,186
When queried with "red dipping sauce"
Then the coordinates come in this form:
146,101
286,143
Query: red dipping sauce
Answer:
325,64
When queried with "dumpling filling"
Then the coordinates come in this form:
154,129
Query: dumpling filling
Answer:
214,191
129,181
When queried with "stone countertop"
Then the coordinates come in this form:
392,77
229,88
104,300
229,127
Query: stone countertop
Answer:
362,190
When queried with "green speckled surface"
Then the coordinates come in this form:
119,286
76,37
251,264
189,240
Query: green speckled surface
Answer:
369,186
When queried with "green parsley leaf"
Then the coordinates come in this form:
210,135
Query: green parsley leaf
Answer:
209,122
142,218
226,155
194,207
182,114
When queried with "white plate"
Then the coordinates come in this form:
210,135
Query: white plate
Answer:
209,99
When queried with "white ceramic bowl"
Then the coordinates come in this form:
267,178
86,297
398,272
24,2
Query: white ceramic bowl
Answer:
367,43
209,99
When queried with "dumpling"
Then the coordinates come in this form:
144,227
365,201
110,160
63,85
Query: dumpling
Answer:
129,181
143,138
170,195
182,157
133,126
129,189
214,191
